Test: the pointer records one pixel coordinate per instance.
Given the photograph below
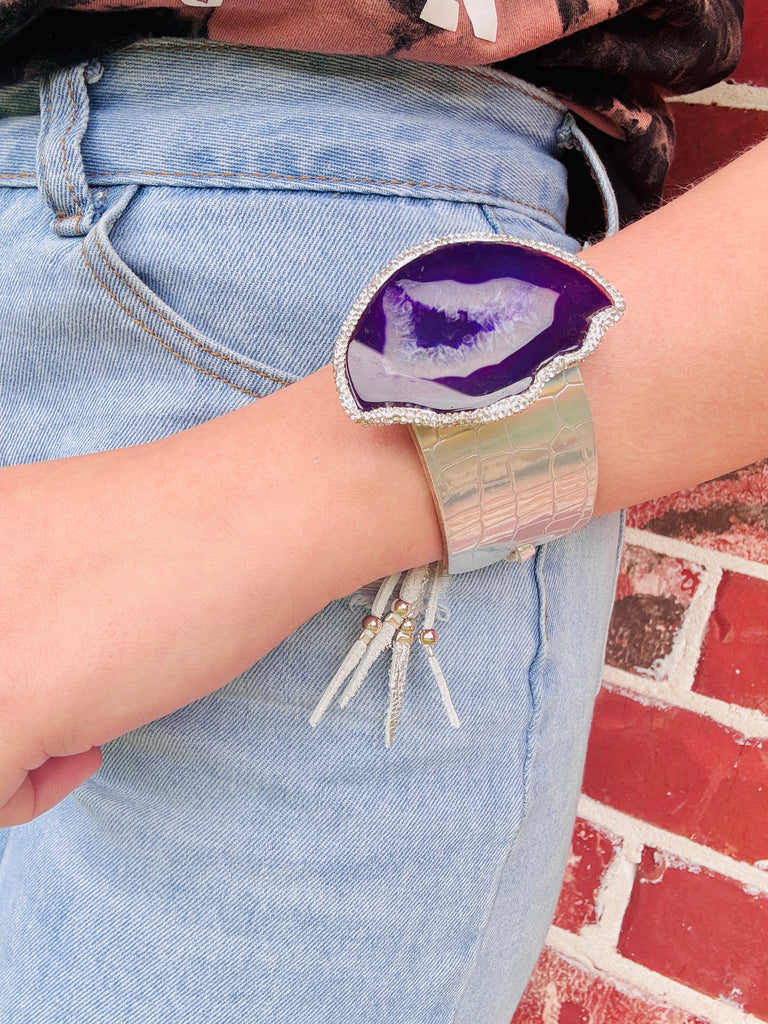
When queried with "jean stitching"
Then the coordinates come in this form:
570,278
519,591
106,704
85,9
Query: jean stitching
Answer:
46,127
308,177
153,334
62,215
274,175
535,671
530,735
209,351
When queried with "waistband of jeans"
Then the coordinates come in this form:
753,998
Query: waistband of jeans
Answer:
201,113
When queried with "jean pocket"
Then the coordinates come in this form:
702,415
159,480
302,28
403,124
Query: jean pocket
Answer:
222,295
252,285
165,259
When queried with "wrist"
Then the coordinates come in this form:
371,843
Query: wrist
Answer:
306,493
474,341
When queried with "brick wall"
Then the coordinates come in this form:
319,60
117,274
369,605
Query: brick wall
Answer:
663,915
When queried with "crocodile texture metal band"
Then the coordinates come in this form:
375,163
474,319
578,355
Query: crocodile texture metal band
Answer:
502,487
474,341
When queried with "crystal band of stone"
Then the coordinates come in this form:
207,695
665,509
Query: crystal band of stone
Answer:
513,482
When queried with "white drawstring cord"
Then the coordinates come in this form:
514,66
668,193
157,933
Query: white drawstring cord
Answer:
428,640
370,627
396,630
410,593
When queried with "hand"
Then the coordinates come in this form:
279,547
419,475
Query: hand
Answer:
111,614
135,581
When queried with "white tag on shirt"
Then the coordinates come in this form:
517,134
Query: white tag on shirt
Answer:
445,14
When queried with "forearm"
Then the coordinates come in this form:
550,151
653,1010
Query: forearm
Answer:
678,388
315,503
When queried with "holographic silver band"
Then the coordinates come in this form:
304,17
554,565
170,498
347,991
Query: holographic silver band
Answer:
502,487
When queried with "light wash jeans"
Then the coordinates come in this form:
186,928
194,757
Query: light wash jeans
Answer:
184,233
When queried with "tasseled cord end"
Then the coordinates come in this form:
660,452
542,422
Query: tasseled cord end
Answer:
396,630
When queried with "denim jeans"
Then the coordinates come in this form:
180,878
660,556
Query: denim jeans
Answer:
182,230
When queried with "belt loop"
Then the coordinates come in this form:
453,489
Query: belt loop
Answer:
60,173
570,136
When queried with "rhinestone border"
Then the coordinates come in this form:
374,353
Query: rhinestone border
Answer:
599,324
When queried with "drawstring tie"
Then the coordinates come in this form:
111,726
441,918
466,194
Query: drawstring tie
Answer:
395,630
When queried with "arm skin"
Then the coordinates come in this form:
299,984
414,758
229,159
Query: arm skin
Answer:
137,580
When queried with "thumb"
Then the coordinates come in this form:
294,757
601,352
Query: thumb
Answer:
43,787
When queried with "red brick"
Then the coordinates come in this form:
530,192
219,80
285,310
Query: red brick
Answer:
592,852
652,595
734,659
703,930
561,992
753,66
682,772
707,138
728,514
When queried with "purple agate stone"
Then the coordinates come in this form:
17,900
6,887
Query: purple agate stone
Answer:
468,324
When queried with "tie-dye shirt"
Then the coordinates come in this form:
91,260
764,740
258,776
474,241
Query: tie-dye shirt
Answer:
613,61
